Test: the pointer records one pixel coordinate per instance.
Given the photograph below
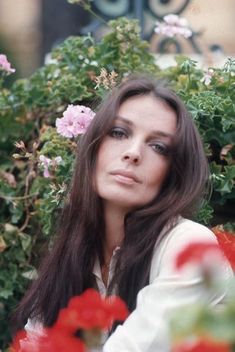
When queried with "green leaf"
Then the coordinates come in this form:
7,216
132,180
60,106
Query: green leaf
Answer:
4,293
25,241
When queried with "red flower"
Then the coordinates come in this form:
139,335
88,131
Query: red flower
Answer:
87,311
117,308
52,341
91,311
56,340
202,346
15,346
226,241
195,252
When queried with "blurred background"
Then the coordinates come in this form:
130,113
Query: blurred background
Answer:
30,28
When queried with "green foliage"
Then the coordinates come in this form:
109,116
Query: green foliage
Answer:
123,49
15,251
212,107
80,71
201,320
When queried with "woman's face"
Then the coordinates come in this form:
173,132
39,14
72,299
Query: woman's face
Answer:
132,161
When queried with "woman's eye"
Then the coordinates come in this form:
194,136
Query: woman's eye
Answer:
160,148
117,132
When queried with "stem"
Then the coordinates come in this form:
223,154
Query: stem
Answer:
229,82
87,7
18,198
189,80
25,224
1,82
97,16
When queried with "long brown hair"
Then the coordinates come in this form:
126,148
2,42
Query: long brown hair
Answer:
67,269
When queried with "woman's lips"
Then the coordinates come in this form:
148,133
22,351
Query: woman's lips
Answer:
126,177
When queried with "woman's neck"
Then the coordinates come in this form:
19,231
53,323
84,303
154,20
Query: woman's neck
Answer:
114,230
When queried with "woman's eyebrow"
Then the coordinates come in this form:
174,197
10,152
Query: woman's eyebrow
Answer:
154,133
161,134
123,119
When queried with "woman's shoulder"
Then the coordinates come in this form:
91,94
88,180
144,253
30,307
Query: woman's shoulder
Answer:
182,232
172,241
188,230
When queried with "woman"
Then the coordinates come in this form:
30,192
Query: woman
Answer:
140,172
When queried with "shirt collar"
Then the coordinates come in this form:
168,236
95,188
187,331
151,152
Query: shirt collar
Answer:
97,269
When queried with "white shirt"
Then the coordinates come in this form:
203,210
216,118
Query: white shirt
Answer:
146,329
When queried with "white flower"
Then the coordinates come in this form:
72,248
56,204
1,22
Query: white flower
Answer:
206,79
47,162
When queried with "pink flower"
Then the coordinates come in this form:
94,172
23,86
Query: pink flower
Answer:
5,64
47,162
75,121
206,79
173,25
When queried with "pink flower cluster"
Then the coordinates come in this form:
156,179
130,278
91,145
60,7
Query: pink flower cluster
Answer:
5,64
47,162
173,25
75,121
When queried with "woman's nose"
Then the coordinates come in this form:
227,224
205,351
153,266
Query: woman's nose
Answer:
132,155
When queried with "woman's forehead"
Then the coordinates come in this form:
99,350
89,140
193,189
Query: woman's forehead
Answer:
148,110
